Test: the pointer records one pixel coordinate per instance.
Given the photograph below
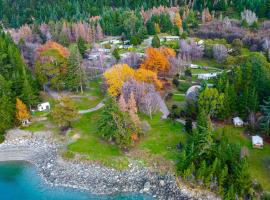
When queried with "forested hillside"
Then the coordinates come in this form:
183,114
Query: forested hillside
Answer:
16,81
16,13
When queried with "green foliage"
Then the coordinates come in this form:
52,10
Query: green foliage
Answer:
156,42
81,46
116,54
115,125
75,78
265,119
64,112
216,164
15,81
188,125
211,101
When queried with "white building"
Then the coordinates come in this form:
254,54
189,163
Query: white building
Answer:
238,122
193,66
170,38
207,76
257,142
43,106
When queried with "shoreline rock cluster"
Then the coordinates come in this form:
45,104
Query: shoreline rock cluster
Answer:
97,179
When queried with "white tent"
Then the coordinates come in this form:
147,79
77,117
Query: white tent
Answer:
257,142
238,122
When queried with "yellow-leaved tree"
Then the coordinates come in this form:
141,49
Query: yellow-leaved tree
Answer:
148,76
22,113
116,76
178,22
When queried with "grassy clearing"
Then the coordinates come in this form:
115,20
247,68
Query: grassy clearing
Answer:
259,159
35,127
203,71
91,97
162,139
92,146
179,98
207,63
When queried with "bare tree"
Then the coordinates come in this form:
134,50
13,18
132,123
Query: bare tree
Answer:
249,16
132,59
190,49
151,103
220,52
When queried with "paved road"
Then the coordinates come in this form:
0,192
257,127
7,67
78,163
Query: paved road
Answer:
99,106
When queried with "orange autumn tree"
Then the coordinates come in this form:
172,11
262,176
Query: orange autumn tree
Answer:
117,76
22,112
148,76
155,61
53,45
167,52
51,64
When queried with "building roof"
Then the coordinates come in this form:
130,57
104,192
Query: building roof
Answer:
257,140
44,103
192,92
237,120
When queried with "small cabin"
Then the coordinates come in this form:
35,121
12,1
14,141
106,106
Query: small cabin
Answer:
257,142
238,122
43,106
25,122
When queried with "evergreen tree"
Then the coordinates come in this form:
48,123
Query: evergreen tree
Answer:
116,54
75,79
156,42
81,46
188,125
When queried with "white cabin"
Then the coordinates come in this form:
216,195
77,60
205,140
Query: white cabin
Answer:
207,76
193,66
43,106
238,122
257,142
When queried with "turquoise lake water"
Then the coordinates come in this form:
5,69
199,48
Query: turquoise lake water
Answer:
20,181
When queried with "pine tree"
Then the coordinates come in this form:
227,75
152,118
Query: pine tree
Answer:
188,125
28,96
6,113
221,179
156,42
81,46
203,121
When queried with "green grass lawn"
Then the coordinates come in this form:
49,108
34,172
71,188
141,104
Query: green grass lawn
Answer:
205,62
91,97
160,142
179,98
92,146
203,71
258,159
35,126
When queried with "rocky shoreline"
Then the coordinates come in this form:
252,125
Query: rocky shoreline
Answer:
43,153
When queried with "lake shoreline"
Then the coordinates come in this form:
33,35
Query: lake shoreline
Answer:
40,150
